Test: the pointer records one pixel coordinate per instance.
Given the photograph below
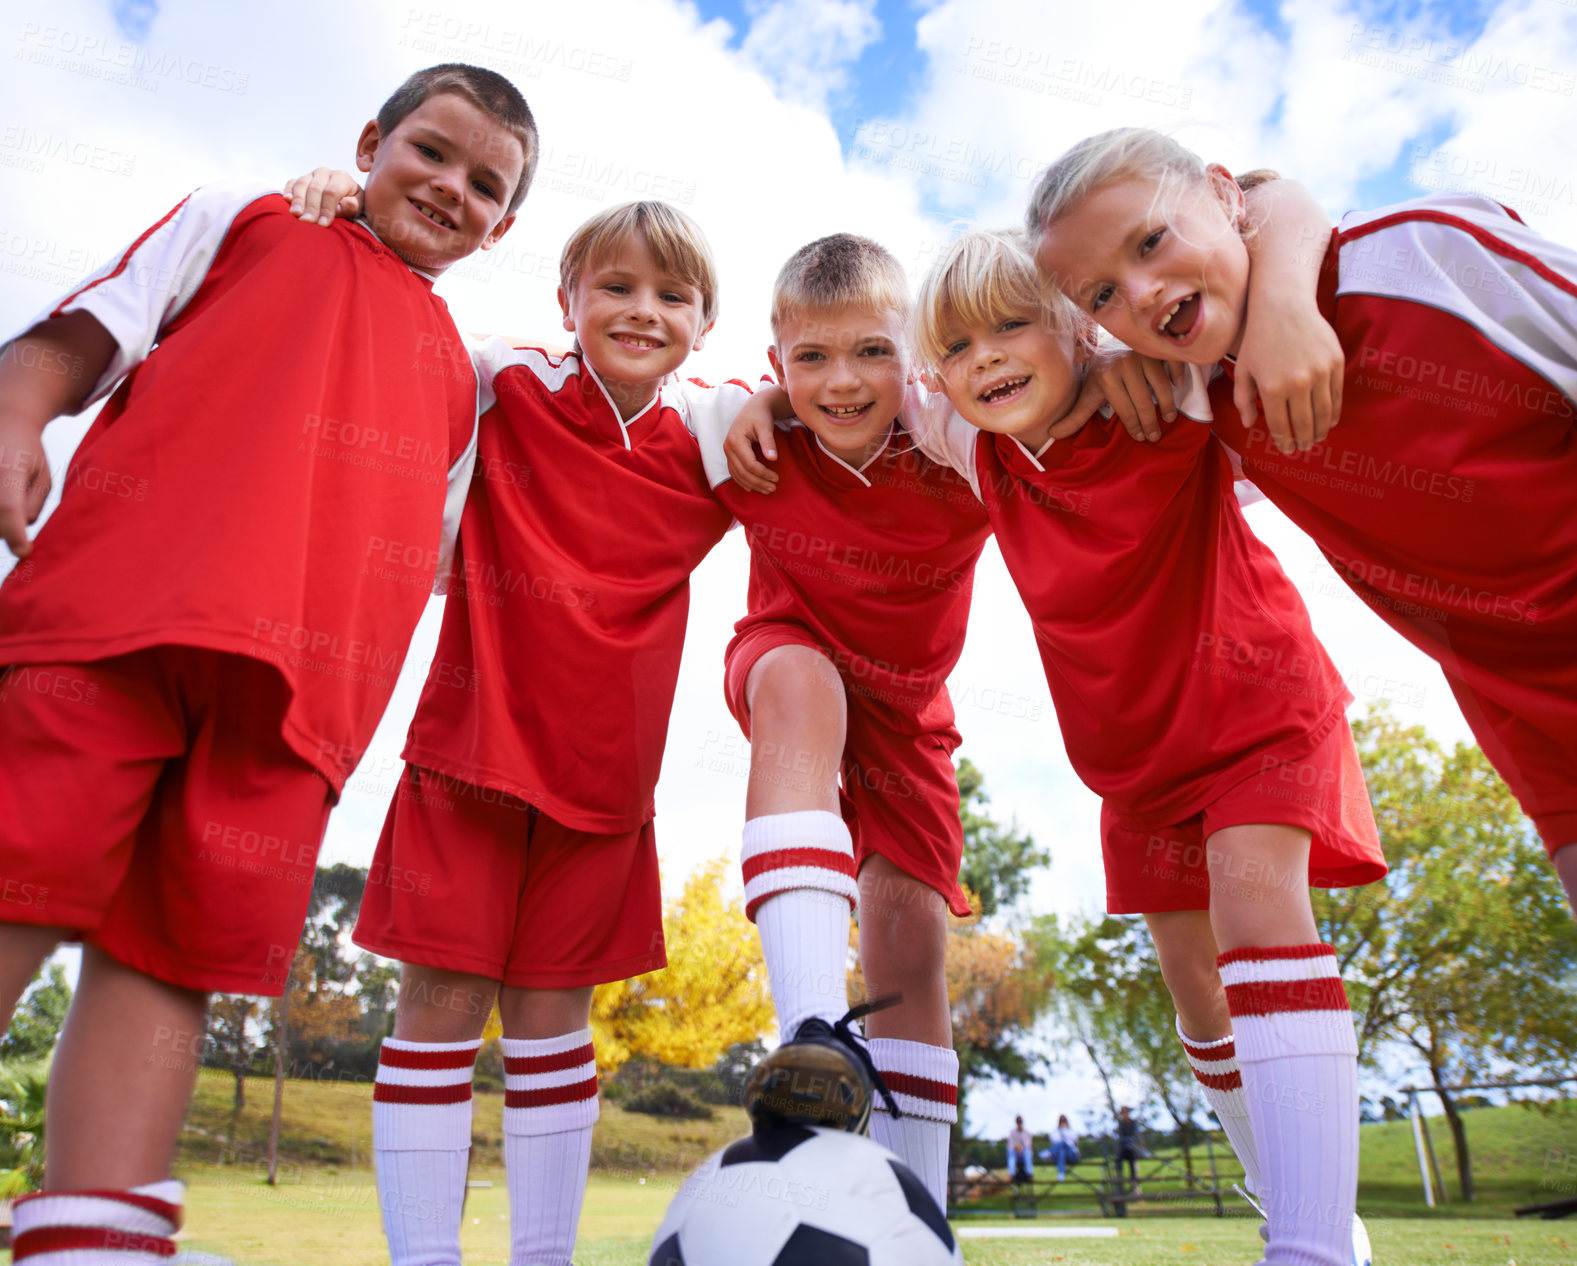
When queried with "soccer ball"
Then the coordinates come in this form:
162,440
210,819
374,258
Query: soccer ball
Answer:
801,1196
1360,1243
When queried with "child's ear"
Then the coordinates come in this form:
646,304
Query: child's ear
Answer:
499,229
367,145
777,365
569,320
700,339
931,381
1227,191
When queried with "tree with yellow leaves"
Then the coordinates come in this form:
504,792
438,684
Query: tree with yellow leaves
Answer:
712,994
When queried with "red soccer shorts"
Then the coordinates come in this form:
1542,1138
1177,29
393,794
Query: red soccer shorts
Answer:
468,879
149,805
900,792
1324,793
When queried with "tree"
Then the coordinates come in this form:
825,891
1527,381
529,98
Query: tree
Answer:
712,994
1465,953
997,987
37,1020
999,861
22,1088
1112,997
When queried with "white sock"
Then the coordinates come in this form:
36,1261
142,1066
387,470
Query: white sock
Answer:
799,890
1216,1069
421,1140
924,1082
1299,1058
550,1105
121,1228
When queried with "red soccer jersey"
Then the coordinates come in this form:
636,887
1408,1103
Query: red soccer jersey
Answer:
877,564
1179,656
559,654
270,479
1444,498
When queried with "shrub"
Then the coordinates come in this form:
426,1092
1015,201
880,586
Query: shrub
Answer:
662,1100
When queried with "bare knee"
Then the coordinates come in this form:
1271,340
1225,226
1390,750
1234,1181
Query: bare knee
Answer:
798,722
533,1014
1186,948
442,1006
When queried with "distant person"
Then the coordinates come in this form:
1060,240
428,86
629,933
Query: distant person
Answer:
1129,1148
1021,1153
1064,1149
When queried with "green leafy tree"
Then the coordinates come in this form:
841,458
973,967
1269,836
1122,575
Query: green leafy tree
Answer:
1465,952
22,1088
999,860
1112,998
36,1023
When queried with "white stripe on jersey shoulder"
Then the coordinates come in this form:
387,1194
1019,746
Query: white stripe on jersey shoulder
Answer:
1515,287
134,302
940,433
708,413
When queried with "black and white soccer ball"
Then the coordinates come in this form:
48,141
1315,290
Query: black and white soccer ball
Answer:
800,1196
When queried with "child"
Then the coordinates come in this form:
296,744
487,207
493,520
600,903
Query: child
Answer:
520,850
862,564
1193,697
1446,503
1064,1149
202,638
1021,1153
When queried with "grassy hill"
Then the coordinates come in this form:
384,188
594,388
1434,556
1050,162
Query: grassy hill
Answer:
1520,1155
329,1124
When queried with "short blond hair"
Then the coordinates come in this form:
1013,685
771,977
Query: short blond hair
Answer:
841,271
985,277
674,239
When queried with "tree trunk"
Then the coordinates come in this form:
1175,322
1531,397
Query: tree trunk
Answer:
1458,1137
1089,1049
281,1023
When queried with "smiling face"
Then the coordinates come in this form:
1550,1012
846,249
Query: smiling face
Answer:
1010,376
1169,281
439,182
634,321
845,371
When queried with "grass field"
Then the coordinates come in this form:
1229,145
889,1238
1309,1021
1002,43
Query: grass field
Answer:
326,1210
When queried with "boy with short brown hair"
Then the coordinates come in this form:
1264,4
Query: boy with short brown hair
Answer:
227,690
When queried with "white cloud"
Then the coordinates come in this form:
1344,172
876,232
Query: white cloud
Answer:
806,47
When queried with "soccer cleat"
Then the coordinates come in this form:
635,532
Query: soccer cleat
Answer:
823,1076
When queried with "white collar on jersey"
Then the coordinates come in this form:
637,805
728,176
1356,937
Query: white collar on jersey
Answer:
420,272
624,423
857,471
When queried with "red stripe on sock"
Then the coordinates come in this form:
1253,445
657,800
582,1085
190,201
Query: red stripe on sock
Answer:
1227,1050
526,1065
551,1096
1219,1081
752,906
1265,954
427,1061
171,1213
782,858
920,1087
64,1239
389,1092
1272,997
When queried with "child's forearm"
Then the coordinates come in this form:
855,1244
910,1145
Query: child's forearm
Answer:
1289,233
48,371
53,368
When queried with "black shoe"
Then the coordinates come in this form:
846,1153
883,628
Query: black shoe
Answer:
823,1075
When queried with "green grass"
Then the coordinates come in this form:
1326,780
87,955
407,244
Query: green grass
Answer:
321,1216
326,1210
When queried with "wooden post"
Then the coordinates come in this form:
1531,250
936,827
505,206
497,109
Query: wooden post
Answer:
280,1026
1418,1145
